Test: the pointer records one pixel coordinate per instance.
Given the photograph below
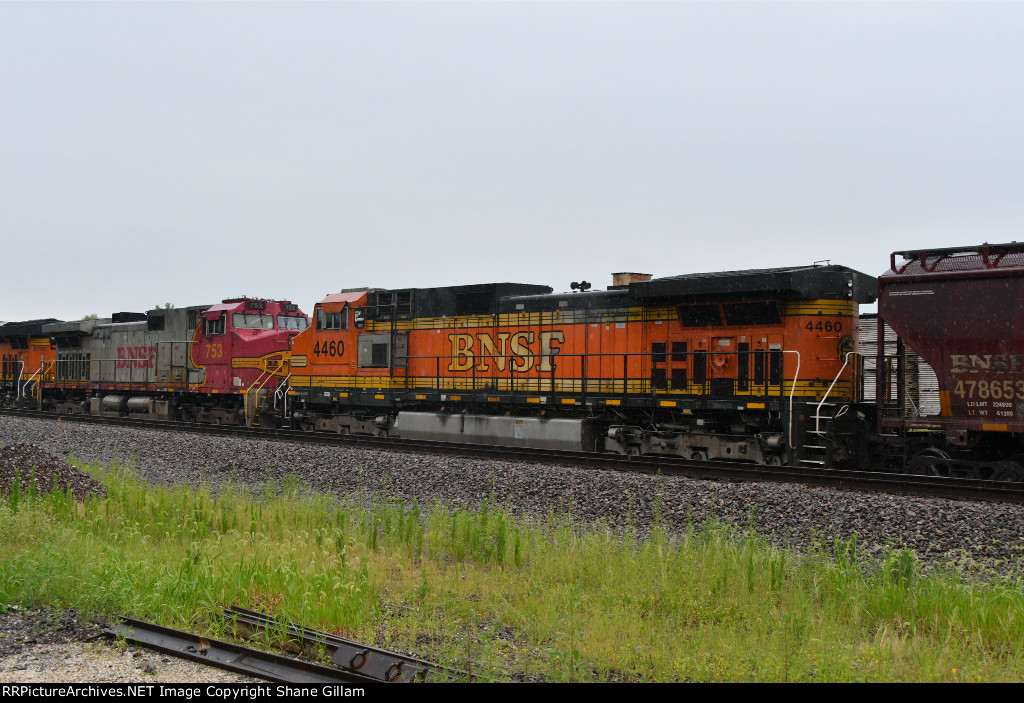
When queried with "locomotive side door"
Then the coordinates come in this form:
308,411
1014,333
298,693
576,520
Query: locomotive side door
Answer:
723,366
679,364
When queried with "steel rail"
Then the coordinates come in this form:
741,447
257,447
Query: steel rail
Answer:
878,482
379,664
232,657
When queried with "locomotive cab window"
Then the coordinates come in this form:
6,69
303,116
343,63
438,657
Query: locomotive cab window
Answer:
214,326
332,320
252,321
291,322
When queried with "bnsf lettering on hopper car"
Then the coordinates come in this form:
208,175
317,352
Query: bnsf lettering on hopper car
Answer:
986,363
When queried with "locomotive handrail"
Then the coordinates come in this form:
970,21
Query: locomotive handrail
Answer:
792,391
281,391
817,412
31,378
245,397
17,383
548,382
112,379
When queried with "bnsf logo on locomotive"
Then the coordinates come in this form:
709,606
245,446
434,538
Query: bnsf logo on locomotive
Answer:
481,349
135,357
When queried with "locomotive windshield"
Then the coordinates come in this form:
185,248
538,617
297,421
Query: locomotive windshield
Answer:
252,321
291,322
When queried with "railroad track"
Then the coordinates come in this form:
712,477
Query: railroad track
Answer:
351,662
377,664
921,486
232,657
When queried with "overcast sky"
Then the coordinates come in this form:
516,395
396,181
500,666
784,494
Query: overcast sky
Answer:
188,152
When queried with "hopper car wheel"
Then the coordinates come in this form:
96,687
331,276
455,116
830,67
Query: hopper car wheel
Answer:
1011,474
698,455
928,462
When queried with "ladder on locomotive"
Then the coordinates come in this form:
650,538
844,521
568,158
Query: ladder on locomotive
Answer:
813,451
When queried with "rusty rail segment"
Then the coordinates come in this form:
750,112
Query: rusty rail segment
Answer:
379,665
876,482
232,657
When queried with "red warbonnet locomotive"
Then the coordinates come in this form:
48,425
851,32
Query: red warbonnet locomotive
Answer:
220,364
764,366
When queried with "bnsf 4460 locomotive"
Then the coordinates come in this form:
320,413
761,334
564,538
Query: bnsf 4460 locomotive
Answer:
729,365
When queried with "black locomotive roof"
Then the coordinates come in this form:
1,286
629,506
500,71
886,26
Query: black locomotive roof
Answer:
29,328
589,300
451,300
790,283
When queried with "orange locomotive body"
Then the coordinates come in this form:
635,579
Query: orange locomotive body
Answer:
26,357
737,365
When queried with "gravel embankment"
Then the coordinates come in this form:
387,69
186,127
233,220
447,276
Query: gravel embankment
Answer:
29,468
788,514
981,535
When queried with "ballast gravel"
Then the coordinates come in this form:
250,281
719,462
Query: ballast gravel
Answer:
990,534
978,536
27,469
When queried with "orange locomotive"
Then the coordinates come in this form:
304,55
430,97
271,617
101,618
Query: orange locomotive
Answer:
748,365
26,356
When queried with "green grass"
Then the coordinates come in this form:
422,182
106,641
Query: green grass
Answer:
510,598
